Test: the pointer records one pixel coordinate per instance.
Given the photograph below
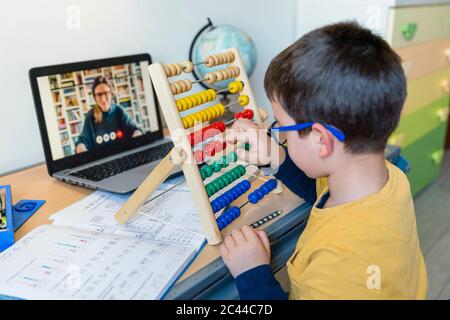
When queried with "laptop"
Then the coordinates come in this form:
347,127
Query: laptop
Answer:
99,122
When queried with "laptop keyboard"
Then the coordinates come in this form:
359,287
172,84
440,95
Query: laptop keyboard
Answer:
116,166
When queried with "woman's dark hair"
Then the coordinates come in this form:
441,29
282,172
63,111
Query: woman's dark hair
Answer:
98,115
343,75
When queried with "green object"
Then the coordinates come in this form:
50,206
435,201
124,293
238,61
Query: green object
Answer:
421,122
247,146
409,30
232,156
438,156
216,167
218,39
224,162
423,168
226,179
202,174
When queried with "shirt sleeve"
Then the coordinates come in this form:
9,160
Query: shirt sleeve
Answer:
259,283
297,181
127,124
87,133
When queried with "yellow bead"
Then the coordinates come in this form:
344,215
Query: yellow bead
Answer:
185,123
241,85
243,100
194,117
179,105
198,99
213,112
191,121
184,104
233,87
212,94
209,114
193,101
204,97
188,103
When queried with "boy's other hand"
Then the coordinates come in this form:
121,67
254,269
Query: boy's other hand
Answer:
245,249
262,151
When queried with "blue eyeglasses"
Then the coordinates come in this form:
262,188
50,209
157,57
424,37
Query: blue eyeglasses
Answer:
301,126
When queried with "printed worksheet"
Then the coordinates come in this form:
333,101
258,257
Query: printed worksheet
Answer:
168,216
64,263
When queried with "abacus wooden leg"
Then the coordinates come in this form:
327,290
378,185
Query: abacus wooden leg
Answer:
154,179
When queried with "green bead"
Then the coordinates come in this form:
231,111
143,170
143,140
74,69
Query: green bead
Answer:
212,188
203,174
208,170
232,157
224,162
226,179
241,169
247,146
208,190
234,175
216,167
217,185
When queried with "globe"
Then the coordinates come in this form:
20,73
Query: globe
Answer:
219,39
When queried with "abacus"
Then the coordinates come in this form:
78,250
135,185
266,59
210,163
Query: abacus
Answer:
196,147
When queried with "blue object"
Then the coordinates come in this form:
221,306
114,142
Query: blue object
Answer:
7,232
301,126
23,210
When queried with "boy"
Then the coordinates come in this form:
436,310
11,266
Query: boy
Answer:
344,88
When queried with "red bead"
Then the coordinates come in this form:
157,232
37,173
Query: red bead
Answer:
199,156
221,126
210,149
248,113
239,115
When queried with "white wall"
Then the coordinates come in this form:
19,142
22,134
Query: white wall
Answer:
36,33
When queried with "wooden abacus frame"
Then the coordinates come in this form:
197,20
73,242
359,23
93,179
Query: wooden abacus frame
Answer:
182,153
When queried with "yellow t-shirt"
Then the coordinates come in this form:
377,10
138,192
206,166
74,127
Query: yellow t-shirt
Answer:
365,249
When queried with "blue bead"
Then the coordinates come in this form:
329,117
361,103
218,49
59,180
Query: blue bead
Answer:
236,213
260,193
234,194
253,198
229,198
247,184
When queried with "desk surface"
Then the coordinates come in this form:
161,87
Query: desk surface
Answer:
35,183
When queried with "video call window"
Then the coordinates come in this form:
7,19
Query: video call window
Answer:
79,120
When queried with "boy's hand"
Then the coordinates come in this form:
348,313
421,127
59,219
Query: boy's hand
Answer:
245,249
263,150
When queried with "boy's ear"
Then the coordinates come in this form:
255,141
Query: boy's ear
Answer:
324,139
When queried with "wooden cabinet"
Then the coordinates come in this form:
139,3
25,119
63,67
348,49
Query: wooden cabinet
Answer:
419,31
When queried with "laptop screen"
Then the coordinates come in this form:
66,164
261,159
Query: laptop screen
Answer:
88,109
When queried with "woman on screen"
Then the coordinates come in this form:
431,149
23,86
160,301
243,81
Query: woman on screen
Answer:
106,122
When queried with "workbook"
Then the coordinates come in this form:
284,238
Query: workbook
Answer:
85,254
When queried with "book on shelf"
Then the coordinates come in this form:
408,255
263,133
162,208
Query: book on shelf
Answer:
85,254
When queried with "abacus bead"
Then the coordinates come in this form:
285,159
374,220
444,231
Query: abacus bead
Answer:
241,85
241,168
247,146
260,193
247,184
243,100
229,198
217,167
248,114
273,182
233,87
253,198
224,162
266,188
217,185
202,174
234,193
239,115
236,212
209,171
232,156
226,179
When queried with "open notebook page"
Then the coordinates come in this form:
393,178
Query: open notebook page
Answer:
65,263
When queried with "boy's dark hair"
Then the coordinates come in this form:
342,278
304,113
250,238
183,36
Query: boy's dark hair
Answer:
343,75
